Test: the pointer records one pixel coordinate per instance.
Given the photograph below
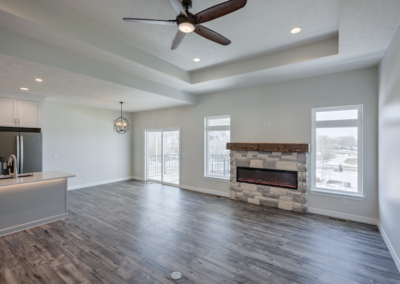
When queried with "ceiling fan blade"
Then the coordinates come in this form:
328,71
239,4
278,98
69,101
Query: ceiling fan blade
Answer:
219,10
149,21
178,7
177,40
211,35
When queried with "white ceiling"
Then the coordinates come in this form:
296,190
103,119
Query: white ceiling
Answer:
48,36
260,32
68,87
261,27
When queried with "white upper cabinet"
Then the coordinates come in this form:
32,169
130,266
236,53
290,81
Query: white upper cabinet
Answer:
8,112
18,113
29,114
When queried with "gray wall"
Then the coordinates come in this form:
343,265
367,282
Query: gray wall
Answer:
389,144
288,106
86,143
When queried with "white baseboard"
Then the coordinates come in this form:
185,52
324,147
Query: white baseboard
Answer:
26,226
137,178
204,190
390,247
98,183
345,216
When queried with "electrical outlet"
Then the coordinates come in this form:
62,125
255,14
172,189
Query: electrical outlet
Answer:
56,156
267,123
84,176
183,155
344,202
213,181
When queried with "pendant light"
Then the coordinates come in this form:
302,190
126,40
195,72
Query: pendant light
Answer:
121,124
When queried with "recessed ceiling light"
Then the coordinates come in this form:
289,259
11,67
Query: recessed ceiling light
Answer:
38,80
196,60
24,89
295,30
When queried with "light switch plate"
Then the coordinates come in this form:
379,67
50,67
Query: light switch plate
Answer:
56,156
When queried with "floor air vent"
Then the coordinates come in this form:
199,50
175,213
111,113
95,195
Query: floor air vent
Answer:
337,220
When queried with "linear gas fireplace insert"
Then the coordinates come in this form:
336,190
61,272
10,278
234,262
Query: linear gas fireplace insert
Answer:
268,177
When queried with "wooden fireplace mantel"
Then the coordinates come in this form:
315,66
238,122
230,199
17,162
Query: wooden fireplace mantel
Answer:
269,147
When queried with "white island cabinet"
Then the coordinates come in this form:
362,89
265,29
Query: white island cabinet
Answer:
32,201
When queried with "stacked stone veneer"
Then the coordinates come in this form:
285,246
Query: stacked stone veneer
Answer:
287,199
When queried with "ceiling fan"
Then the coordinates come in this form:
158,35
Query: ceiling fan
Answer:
187,22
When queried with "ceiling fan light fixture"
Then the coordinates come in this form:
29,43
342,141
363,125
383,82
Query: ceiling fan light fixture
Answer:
186,27
295,30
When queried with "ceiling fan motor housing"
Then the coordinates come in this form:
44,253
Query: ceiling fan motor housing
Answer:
182,19
187,4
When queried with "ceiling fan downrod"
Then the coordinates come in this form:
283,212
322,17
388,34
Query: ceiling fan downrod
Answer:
187,4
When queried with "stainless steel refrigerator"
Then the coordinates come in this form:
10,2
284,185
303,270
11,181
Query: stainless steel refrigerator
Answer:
26,146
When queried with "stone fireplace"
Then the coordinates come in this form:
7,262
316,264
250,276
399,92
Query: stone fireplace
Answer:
272,175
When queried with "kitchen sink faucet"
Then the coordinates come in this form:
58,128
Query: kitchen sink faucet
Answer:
15,173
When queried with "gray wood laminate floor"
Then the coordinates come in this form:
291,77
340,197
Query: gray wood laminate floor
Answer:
136,232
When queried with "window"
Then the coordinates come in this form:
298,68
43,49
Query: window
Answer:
217,134
337,150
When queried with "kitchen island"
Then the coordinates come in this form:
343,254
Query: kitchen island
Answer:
32,201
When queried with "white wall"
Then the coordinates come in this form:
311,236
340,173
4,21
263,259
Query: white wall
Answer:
288,106
86,143
389,145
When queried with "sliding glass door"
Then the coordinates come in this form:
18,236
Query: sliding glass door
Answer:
162,155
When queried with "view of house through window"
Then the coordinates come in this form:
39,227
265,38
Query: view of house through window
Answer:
336,149
217,134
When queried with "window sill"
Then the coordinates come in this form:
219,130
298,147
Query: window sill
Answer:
217,179
338,194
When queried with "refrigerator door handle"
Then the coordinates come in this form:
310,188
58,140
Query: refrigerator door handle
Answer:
17,152
21,170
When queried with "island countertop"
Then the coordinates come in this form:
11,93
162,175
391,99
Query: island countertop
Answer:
41,176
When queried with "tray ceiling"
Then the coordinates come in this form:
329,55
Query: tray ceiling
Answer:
259,28
85,47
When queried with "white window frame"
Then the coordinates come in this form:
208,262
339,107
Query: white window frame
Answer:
206,150
336,124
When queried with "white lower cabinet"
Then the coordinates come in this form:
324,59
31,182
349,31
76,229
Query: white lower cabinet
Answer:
19,113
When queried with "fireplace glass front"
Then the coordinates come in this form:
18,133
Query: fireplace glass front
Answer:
268,177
